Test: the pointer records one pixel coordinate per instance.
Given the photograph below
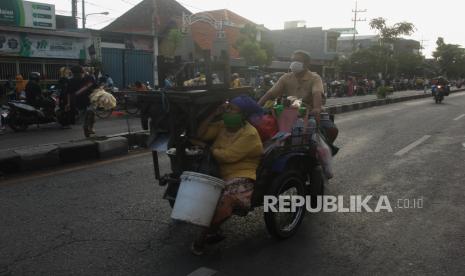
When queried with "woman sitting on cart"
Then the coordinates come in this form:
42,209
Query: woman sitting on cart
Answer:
237,148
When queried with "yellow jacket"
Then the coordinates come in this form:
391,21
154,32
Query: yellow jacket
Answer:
236,83
238,154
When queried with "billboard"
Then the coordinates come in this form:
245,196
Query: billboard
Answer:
27,14
38,46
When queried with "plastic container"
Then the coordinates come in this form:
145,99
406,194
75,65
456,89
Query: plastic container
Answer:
298,132
197,198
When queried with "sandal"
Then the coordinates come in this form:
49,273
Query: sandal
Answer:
197,249
214,238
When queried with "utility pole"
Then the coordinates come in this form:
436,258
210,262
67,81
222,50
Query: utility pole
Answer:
355,20
83,14
155,42
422,44
74,12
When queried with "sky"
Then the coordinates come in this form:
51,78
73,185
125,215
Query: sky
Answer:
323,13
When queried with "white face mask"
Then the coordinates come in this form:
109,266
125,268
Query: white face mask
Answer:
296,67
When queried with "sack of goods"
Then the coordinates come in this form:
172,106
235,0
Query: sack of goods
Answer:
102,99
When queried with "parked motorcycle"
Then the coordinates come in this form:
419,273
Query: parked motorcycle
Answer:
21,115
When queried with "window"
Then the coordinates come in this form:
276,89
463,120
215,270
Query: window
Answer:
27,68
331,44
7,70
52,71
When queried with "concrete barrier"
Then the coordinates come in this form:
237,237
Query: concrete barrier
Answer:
78,151
10,161
342,108
112,147
36,158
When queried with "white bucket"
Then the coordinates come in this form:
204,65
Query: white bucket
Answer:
197,198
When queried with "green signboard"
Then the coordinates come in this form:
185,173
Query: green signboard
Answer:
27,14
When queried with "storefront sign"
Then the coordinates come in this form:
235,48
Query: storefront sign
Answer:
42,46
27,14
9,44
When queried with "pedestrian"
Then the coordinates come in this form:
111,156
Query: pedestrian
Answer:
109,81
140,87
235,81
79,88
33,90
169,82
20,87
215,79
350,87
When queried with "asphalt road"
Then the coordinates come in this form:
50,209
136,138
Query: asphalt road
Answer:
108,218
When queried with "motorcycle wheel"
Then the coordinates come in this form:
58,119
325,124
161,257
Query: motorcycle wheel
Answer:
132,108
284,225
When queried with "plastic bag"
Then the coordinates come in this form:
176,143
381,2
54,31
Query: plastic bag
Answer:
324,155
102,99
266,126
287,119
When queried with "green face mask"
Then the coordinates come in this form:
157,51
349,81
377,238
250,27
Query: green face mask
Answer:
232,120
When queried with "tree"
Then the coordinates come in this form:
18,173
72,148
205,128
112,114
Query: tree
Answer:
388,35
257,53
450,58
173,40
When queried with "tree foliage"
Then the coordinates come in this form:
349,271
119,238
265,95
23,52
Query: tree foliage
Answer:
256,53
388,34
382,58
174,39
377,59
450,58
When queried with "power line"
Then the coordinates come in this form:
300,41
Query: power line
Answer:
128,2
99,6
355,20
102,22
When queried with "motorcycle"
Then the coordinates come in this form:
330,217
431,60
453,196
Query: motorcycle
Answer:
21,115
438,93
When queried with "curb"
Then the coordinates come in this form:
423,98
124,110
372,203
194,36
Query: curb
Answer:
53,155
343,108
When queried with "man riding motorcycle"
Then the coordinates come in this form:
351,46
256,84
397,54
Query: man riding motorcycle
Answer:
33,90
300,82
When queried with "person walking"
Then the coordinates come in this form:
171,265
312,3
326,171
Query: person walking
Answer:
79,89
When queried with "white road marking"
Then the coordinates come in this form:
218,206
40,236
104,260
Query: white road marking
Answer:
459,117
203,271
412,145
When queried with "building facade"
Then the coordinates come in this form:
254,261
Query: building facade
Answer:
320,43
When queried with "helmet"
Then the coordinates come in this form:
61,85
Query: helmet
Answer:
34,76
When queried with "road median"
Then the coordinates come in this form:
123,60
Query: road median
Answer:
25,159
348,107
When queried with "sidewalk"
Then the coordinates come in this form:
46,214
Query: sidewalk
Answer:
52,133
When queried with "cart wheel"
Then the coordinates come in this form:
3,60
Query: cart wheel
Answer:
284,225
316,185
102,113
